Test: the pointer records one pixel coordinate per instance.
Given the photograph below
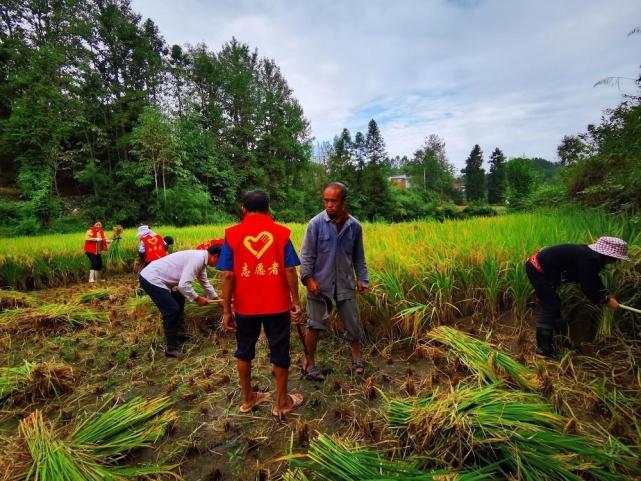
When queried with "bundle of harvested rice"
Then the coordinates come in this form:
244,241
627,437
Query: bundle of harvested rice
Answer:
31,382
48,318
333,459
488,363
91,451
515,431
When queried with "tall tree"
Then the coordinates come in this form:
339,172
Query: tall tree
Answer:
496,179
430,168
374,186
474,179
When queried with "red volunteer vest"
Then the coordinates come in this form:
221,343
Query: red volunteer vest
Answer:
154,247
93,247
260,283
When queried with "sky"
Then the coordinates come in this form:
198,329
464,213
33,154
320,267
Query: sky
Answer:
513,74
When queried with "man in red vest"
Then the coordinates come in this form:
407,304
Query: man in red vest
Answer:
259,263
95,244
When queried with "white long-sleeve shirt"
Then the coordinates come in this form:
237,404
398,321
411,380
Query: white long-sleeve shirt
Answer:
179,270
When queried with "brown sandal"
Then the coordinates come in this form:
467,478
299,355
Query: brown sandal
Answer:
297,401
260,398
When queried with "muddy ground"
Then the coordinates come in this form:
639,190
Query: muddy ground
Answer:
213,441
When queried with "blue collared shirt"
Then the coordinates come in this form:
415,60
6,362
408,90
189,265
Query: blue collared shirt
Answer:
333,259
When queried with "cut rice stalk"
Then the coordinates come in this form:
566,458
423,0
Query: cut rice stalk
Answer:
516,431
15,299
330,458
488,363
32,382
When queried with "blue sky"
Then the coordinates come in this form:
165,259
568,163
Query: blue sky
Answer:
511,74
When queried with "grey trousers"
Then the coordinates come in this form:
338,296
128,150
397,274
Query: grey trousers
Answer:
319,310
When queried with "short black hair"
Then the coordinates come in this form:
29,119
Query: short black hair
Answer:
215,249
168,240
256,201
337,185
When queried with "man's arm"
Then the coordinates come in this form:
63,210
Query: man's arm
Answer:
358,257
203,280
292,281
229,323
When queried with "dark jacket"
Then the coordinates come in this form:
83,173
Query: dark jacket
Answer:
575,263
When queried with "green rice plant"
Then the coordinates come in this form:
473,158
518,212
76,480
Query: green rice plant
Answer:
32,381
91,452
330,458
516,432
519,289
492,274
488,363
48,318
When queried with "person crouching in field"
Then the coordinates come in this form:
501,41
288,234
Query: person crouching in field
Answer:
259,263
168,281
559,264
333,268
95,244
152,246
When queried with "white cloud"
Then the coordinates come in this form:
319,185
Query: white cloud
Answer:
513,74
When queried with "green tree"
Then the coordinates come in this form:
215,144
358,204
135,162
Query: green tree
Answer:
430,168
496,179
154,144
474,176
374,186
522,180
571,149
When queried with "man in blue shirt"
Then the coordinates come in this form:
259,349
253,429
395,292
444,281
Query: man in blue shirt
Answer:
333,269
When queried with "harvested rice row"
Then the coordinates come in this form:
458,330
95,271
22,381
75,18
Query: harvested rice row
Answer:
518,433
48,318
332,459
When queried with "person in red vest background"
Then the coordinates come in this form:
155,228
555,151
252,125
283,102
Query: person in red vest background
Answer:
152,246
259,263
95,244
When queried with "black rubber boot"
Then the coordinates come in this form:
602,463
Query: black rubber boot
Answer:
182,335
544,342
172,348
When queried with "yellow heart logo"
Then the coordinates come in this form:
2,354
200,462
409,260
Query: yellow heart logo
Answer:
152,240
264,238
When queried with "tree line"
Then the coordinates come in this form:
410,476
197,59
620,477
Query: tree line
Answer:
101,118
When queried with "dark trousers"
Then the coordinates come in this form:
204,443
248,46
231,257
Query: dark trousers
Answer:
549,300
95,260
171,305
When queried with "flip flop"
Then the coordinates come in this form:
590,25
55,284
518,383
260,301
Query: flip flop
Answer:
260,398
358,365
314,373
297,401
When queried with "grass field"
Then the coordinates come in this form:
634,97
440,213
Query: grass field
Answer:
451,390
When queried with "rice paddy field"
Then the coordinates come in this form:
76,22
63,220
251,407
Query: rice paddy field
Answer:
451,389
